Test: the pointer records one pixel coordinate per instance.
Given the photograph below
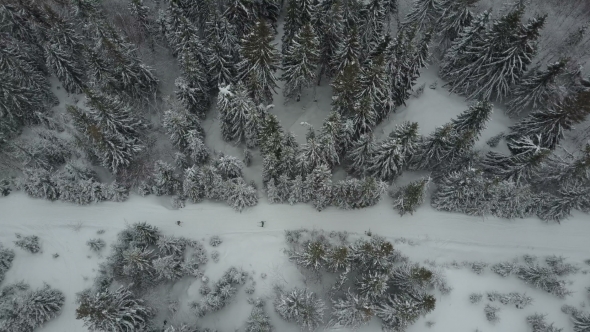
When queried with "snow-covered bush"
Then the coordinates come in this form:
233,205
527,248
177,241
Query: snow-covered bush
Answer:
5,187
580,319
559,266
29,310
258,321
544,278
96,244
352,311
28,243
215,256
6,258
301,306
517,299
38,182
491,313
475,298
476,267
495,140
221,293
538,324
505,269
116,311
215,240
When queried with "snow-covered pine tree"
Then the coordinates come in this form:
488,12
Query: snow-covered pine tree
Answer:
239,194
291,26
301,306
235,113
375,84
168,268
573,194
548,126
490,65
29,311
456,58
473,119
330,35
387,160
319,186
223,44
346,87
537,89
113,311
408,198
109,128
258,321
360,155
335,127
455,17
298,193
408,139
300,62
241,15
352,311
348,52
165,181
6,258
196,149
179,123
374,15
466,192
192,96
435,148
191,185
260,61
352,13
318,150
519,167
401,311
556,170
424,15
400,65
229,167
364,117
65,67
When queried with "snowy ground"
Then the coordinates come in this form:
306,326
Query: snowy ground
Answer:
434,236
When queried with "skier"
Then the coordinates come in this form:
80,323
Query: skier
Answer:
178,223
262,223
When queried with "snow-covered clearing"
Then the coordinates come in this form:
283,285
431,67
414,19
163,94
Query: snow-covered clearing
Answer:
430,235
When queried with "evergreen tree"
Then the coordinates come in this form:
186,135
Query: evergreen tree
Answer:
301,306
258,321
361,154
260,61
113,311
300,62
168,268
178,124
319,186
292,25
408,139
556,170
109,129
410,197
319,150
465,192
298,193
330,34
364,117
498,59
240,194
352,311
346,87
221,61
435,148
164,179
387,160
400,68
548,126
571,195
241,14
400,311
455,17
65,68
29,311
520,167
375,85
424,14
537,89
374,23
229,167
474,119
236,113
348,52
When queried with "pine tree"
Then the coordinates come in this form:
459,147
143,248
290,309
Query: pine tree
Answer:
298,193
168,268
113,311
319,186
374,24
348,52
260,61
301,306
196,149
537,89
364,117
410,197
498,59
519,167
166,182
229,167
548,126
292,25
65,68
375,85
408,139
455,17
435,148
400,311
556,170
346,87
352,311
319,150
330,35
360,155
300,62
178,124
424,14
465,191
258,321
29,311
240,194
400,65
235,114
474,119
221,61
387,160
241,14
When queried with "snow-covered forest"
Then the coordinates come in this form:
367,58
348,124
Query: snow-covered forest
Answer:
298,110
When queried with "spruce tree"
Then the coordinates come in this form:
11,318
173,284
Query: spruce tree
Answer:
260,61
319,150
375,85
387,160
346,87
537,89
241,14
424,14
408,138
364,117
374,23
519,167
291,26
300,62
360,155
235,118
221,61
408,198
330,35
318,184
348,52
178,124
474,119
548,126
499,59
65,68
455,17
352,311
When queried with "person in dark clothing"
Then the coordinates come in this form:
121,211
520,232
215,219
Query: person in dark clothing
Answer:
262,223
178,223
